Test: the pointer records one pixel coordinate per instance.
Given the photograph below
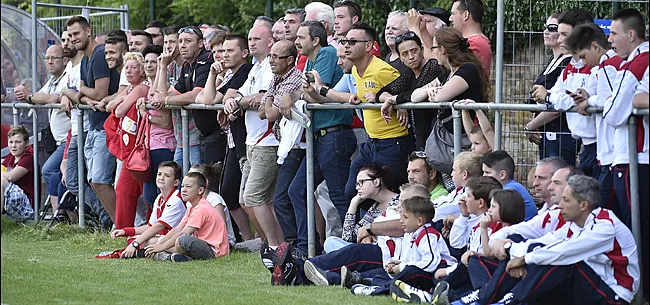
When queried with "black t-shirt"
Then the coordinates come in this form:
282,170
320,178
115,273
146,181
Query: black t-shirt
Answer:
397,64
471,75
195,75
93,69
238,126
548,81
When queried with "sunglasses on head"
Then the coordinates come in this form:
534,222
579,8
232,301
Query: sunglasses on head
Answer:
420,154
551,27
352,42
189,29
405,36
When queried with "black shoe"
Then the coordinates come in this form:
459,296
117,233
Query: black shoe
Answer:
267,256
350,278
139,253
179,258
316,275
283,266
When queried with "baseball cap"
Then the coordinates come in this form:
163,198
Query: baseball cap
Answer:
441,13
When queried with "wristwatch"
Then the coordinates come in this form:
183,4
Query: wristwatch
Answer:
136,245
323,90
369,229
507,247
29,97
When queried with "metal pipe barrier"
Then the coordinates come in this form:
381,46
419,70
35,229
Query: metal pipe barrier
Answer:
456,112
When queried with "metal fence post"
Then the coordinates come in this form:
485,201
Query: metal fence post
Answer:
634,195
498,94
36,165
185,122
311,223
458,133
34,55
126,16
85,12
16,114
81,165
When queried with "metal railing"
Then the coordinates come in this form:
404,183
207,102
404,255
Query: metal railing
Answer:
457,123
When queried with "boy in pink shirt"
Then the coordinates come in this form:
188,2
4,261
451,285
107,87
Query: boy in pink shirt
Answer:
202,232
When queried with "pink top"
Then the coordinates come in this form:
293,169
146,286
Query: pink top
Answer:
210,226
161,138
480,45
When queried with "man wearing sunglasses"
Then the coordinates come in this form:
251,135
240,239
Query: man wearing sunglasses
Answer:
192,80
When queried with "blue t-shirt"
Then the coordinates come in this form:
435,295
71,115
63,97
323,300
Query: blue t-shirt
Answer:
346,84
330,73
531,208
93,69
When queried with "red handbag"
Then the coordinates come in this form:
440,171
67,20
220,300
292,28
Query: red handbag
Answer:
138,162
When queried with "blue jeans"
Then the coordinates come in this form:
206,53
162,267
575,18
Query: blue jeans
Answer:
334,243
101,163
195,155
72,183
53,163
564,146
150,190
391,152
331,162
281,201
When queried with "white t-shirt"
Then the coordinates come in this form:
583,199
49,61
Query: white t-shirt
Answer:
59,120
123,80
168,211
215,199
72,77
259,132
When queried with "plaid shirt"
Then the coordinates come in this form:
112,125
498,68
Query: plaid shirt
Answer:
287,83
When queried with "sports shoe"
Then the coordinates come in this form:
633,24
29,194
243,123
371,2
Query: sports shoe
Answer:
470,299
360,289
161,256
281,272
507,299
179,258
139,253
441,294
350,278
316,275
405,293
110,254
266,253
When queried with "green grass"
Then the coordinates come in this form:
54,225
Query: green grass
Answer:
59,267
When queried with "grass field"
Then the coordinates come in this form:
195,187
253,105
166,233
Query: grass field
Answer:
59,267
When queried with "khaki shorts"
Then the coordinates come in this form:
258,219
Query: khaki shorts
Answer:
262,173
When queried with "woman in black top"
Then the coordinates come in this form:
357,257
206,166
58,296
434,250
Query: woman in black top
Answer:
549,129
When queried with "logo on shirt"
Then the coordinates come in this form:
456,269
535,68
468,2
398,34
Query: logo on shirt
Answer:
370,85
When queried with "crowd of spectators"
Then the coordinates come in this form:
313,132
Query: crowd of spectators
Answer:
397,213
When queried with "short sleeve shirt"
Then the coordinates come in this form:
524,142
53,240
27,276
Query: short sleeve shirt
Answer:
480,46
470,74
282,84
193,76
92,69
26,183
210,226
330,73
59,120
168,211
377,75
258,131
237,127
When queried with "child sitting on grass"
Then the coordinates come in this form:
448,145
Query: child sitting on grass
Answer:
212,172
423,250
201,234
167,212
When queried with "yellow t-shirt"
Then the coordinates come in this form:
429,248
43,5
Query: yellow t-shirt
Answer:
378,75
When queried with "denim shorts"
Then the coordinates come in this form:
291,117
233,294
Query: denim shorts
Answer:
101,163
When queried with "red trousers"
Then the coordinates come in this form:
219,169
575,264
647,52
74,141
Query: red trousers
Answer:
127,191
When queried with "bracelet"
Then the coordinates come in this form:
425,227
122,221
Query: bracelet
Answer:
167,100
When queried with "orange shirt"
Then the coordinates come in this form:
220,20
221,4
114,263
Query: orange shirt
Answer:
210,226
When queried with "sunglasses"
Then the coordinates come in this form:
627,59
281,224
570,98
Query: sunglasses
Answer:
276,57
551,27
403,37
352,42
420,154
189,29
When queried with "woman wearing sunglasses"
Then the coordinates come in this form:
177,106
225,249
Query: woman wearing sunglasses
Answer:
549,130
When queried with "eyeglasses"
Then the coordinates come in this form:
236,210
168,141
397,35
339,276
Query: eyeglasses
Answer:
53,58
407,35
189,29
352,42
420,154
551,27
276,57
362,181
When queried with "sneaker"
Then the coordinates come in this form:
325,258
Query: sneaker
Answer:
267,256
405,293
360,289
470,299
441,294
179,258
161,256
139,253
316,275
110,254
507,299
283,267
252,245
350,278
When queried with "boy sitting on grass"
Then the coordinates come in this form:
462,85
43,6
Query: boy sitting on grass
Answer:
201,234
167,213
423,249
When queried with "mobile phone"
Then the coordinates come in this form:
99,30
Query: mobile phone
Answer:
310,77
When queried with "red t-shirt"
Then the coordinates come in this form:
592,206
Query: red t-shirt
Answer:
480,45
26,183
